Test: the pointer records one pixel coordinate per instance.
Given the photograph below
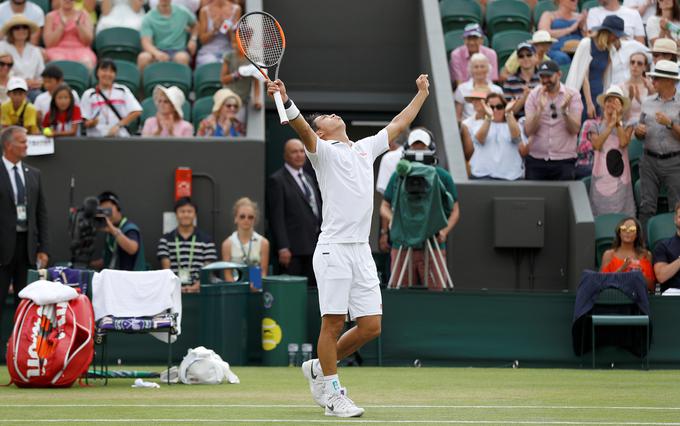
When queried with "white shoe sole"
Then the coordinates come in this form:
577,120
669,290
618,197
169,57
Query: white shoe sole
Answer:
307,372
358,413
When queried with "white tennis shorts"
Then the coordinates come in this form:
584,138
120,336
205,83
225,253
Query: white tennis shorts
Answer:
347,280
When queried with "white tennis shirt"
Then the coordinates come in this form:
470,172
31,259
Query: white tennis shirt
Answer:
345,175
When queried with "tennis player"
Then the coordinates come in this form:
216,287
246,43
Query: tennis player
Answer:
345,272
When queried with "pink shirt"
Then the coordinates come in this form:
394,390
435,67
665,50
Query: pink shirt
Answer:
460,57
552,140
181,129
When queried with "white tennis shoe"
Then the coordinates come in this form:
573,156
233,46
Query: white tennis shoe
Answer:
316,385
339,405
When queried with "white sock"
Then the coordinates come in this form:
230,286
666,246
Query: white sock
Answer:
331,384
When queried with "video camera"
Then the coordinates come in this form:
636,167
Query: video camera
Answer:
84,223
426,157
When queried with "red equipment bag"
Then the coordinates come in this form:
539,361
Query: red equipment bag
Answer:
51,345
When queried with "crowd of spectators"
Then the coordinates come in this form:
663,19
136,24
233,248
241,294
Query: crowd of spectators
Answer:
34,43
587,85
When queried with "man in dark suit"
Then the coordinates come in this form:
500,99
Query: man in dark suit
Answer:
294,213
23,215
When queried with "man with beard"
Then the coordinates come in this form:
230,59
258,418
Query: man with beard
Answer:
667,257
553,120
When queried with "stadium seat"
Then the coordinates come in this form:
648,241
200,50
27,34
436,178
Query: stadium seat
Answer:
149,110
118,43
505,15
564,69
634,155
45,5
605,233
456,14
615,297
202,108
454,39
207,79
542,6
660,227
588,4
167,74
76,75
504,43
661,202
586,181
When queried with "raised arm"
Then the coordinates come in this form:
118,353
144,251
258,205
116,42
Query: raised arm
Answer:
297,121
404,119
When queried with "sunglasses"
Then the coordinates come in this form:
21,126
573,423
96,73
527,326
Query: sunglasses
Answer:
234,106
6,64
20,27
497,107
244,216
657,54
528,55
553,108
638,63
631,228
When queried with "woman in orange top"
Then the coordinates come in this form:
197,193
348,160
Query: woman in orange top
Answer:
628,252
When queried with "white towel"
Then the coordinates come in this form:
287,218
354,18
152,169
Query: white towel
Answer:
137,294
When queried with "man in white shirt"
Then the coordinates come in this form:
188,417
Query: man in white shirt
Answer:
343,264
29,9
646,8
631,18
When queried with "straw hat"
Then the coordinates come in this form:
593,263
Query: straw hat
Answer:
477,94
542,36
18,19
665,69
616,92
221,96
174,95
665,45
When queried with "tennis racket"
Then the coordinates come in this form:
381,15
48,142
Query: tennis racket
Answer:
260,38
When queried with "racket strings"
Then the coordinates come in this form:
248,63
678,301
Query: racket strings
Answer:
261,40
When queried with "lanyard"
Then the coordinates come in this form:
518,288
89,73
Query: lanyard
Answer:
246,256
114,246
191,251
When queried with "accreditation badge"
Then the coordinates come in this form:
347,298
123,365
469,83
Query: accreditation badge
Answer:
21,213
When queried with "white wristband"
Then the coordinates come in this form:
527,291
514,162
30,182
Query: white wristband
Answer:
292,112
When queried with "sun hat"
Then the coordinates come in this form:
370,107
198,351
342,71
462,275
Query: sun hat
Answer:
477,94
221,96
174,95
665,45
542,36
617,92
613,24
18,19
665,69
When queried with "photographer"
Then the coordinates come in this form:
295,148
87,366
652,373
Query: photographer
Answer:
123,249
421,139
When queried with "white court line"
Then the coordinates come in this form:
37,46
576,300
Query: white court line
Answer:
298,421
484,407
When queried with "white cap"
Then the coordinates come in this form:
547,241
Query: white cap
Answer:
17,83
419,135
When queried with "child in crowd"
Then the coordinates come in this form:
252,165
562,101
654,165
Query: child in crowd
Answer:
64,117
52,77
17,111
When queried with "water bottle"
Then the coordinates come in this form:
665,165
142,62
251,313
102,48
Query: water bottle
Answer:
306,352
293,349
657,290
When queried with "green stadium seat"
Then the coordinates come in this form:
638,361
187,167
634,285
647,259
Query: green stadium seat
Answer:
167,74
661,202
118,43
604,233
45,5
613,296
76,75
456,14
542,6
634,154
564,69
505,42
207,79
149,110
505,15
660,227
202,108
588,4
454,39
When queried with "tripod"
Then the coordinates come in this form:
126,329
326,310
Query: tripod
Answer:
431,255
